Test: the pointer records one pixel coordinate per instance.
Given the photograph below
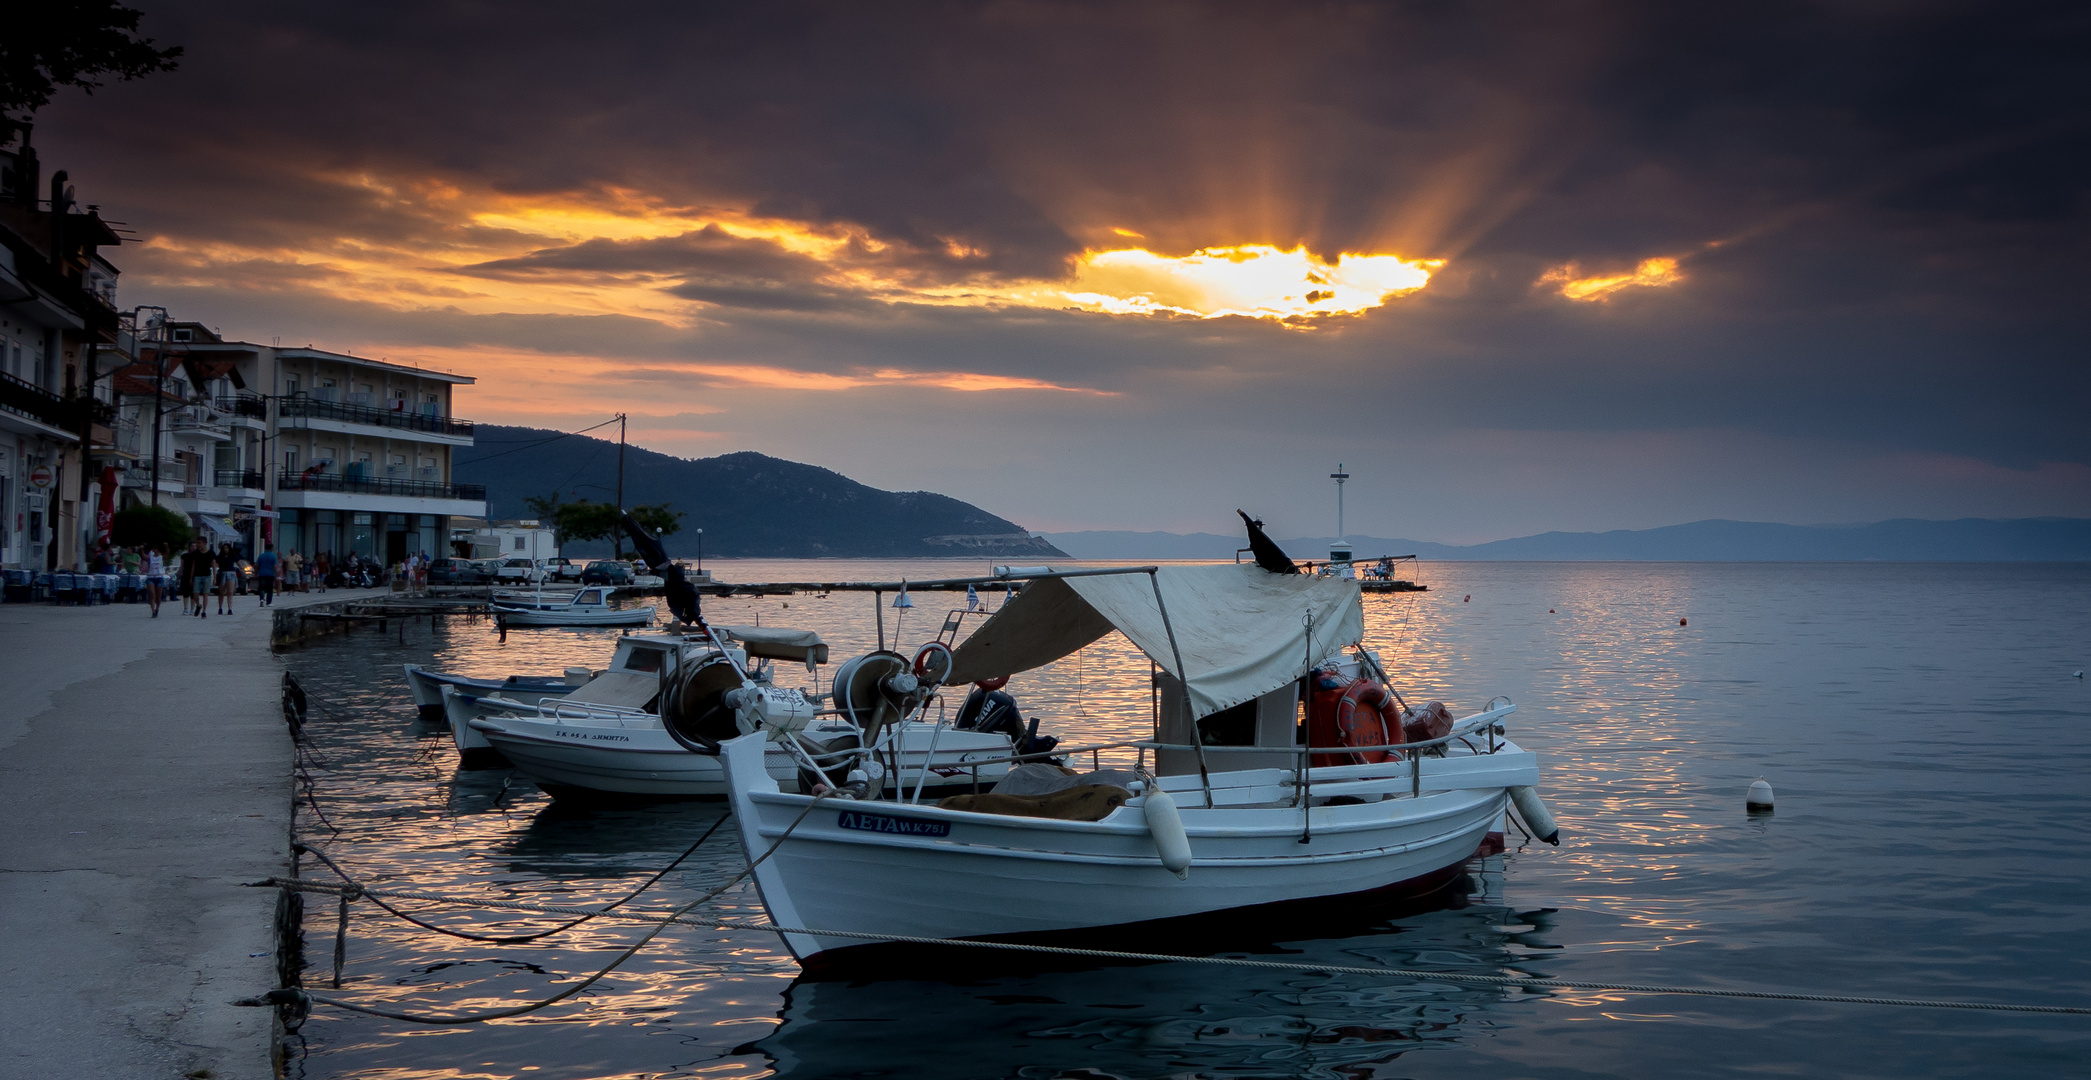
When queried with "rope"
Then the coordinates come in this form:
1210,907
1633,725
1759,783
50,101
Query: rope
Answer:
356,888
292,996
677,918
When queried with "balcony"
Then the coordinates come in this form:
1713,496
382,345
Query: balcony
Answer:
250,479
250,406
29,400
350,412
381,485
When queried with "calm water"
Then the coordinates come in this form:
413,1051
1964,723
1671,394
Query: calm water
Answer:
1930,749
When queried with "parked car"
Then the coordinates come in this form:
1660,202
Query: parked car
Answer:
457,572
490,569
607,572
526,571
565,569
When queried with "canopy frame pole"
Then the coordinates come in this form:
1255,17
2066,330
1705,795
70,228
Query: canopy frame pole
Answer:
1184,684
878,612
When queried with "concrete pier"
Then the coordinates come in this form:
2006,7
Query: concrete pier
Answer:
145,769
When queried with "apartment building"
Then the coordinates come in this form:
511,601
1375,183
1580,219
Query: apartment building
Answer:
57,309
328,452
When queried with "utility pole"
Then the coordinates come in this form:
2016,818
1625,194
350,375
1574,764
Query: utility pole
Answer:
617,540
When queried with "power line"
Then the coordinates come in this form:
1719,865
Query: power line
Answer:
541,442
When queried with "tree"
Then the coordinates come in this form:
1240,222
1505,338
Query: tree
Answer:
658,519
586,521
546,507
55,43
147,526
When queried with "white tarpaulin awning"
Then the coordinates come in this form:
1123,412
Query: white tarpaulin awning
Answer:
777,643
1242,630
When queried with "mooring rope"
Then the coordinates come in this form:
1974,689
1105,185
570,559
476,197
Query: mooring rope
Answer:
300,998
356,888
677,918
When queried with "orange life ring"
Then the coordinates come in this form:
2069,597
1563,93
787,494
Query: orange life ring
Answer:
1378,725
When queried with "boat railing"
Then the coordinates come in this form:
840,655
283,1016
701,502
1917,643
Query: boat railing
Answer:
1410,754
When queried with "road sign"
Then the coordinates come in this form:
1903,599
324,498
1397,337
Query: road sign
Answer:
40,476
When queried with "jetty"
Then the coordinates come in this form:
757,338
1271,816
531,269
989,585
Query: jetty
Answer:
146,767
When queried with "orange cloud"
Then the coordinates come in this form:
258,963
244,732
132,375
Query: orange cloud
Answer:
1659,272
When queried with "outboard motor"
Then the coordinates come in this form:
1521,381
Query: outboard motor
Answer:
990,710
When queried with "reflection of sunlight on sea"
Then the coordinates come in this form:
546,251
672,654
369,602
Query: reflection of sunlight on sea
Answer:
1929,770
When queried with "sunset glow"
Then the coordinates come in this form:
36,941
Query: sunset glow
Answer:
1655,273
1254,280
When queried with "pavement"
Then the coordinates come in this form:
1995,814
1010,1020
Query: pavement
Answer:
145,768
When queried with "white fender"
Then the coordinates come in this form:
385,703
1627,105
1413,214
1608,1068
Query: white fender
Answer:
1535,814
1166,826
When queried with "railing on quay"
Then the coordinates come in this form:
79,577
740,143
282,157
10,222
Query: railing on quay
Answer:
301,405
378,485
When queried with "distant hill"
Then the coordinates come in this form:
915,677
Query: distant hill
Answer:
748,504
1901,540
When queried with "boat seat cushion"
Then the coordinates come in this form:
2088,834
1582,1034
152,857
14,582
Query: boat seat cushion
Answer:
1087,802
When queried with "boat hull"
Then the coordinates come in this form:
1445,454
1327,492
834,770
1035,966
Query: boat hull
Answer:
634,616
862,867
427,688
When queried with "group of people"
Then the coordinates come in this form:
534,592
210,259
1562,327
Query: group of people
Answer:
203,576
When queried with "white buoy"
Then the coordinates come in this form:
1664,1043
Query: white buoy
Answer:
1759,800
2080,674
1166,826
1537,820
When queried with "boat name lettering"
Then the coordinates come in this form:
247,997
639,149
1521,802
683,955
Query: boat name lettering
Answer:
565,734
855,819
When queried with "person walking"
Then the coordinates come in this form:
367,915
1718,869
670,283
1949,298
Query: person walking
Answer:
228,573
198,578
322,570
265,574
155,577
293,571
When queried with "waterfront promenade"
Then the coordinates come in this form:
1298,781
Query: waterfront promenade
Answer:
145,768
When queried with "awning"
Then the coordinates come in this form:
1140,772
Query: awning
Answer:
224,532
777,643
1242,630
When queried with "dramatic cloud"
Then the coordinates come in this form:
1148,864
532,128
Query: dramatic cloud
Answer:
1791,256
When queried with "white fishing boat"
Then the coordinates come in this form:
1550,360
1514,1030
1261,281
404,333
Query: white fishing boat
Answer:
427,687
583,607
607,737
1229,811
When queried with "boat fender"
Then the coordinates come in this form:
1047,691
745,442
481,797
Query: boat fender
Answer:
1535,814
1166,826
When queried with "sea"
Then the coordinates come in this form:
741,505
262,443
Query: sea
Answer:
1926,729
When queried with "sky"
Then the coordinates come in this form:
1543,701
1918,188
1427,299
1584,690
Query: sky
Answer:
1518,267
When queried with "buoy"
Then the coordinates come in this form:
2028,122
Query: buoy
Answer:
1681,622
2079,674
1470,599
1166,826
1759,800
1535,814
1550,611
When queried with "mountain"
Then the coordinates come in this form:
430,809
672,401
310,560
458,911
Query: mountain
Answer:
1900,540
748,504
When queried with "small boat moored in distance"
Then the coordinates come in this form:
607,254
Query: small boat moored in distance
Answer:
589,606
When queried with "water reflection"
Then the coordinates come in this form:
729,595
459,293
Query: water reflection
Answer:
1919,723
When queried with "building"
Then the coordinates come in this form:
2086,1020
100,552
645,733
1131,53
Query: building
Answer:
324,452
57,312
524,538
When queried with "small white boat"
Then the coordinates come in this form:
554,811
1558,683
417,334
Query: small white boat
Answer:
583,607
1230,811
427,687
607,737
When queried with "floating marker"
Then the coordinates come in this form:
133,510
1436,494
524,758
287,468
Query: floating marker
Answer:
1681,622
1759,800
1550,611
2079,674
1470,599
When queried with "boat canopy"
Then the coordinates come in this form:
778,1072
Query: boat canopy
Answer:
1242,630
777,643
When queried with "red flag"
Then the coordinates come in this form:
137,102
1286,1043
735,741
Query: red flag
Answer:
105,514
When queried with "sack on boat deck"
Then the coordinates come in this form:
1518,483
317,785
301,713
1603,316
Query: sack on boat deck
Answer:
1089,802
1432,721
1039,778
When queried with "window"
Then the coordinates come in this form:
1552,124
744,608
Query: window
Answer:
290,384
519,543
290,461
